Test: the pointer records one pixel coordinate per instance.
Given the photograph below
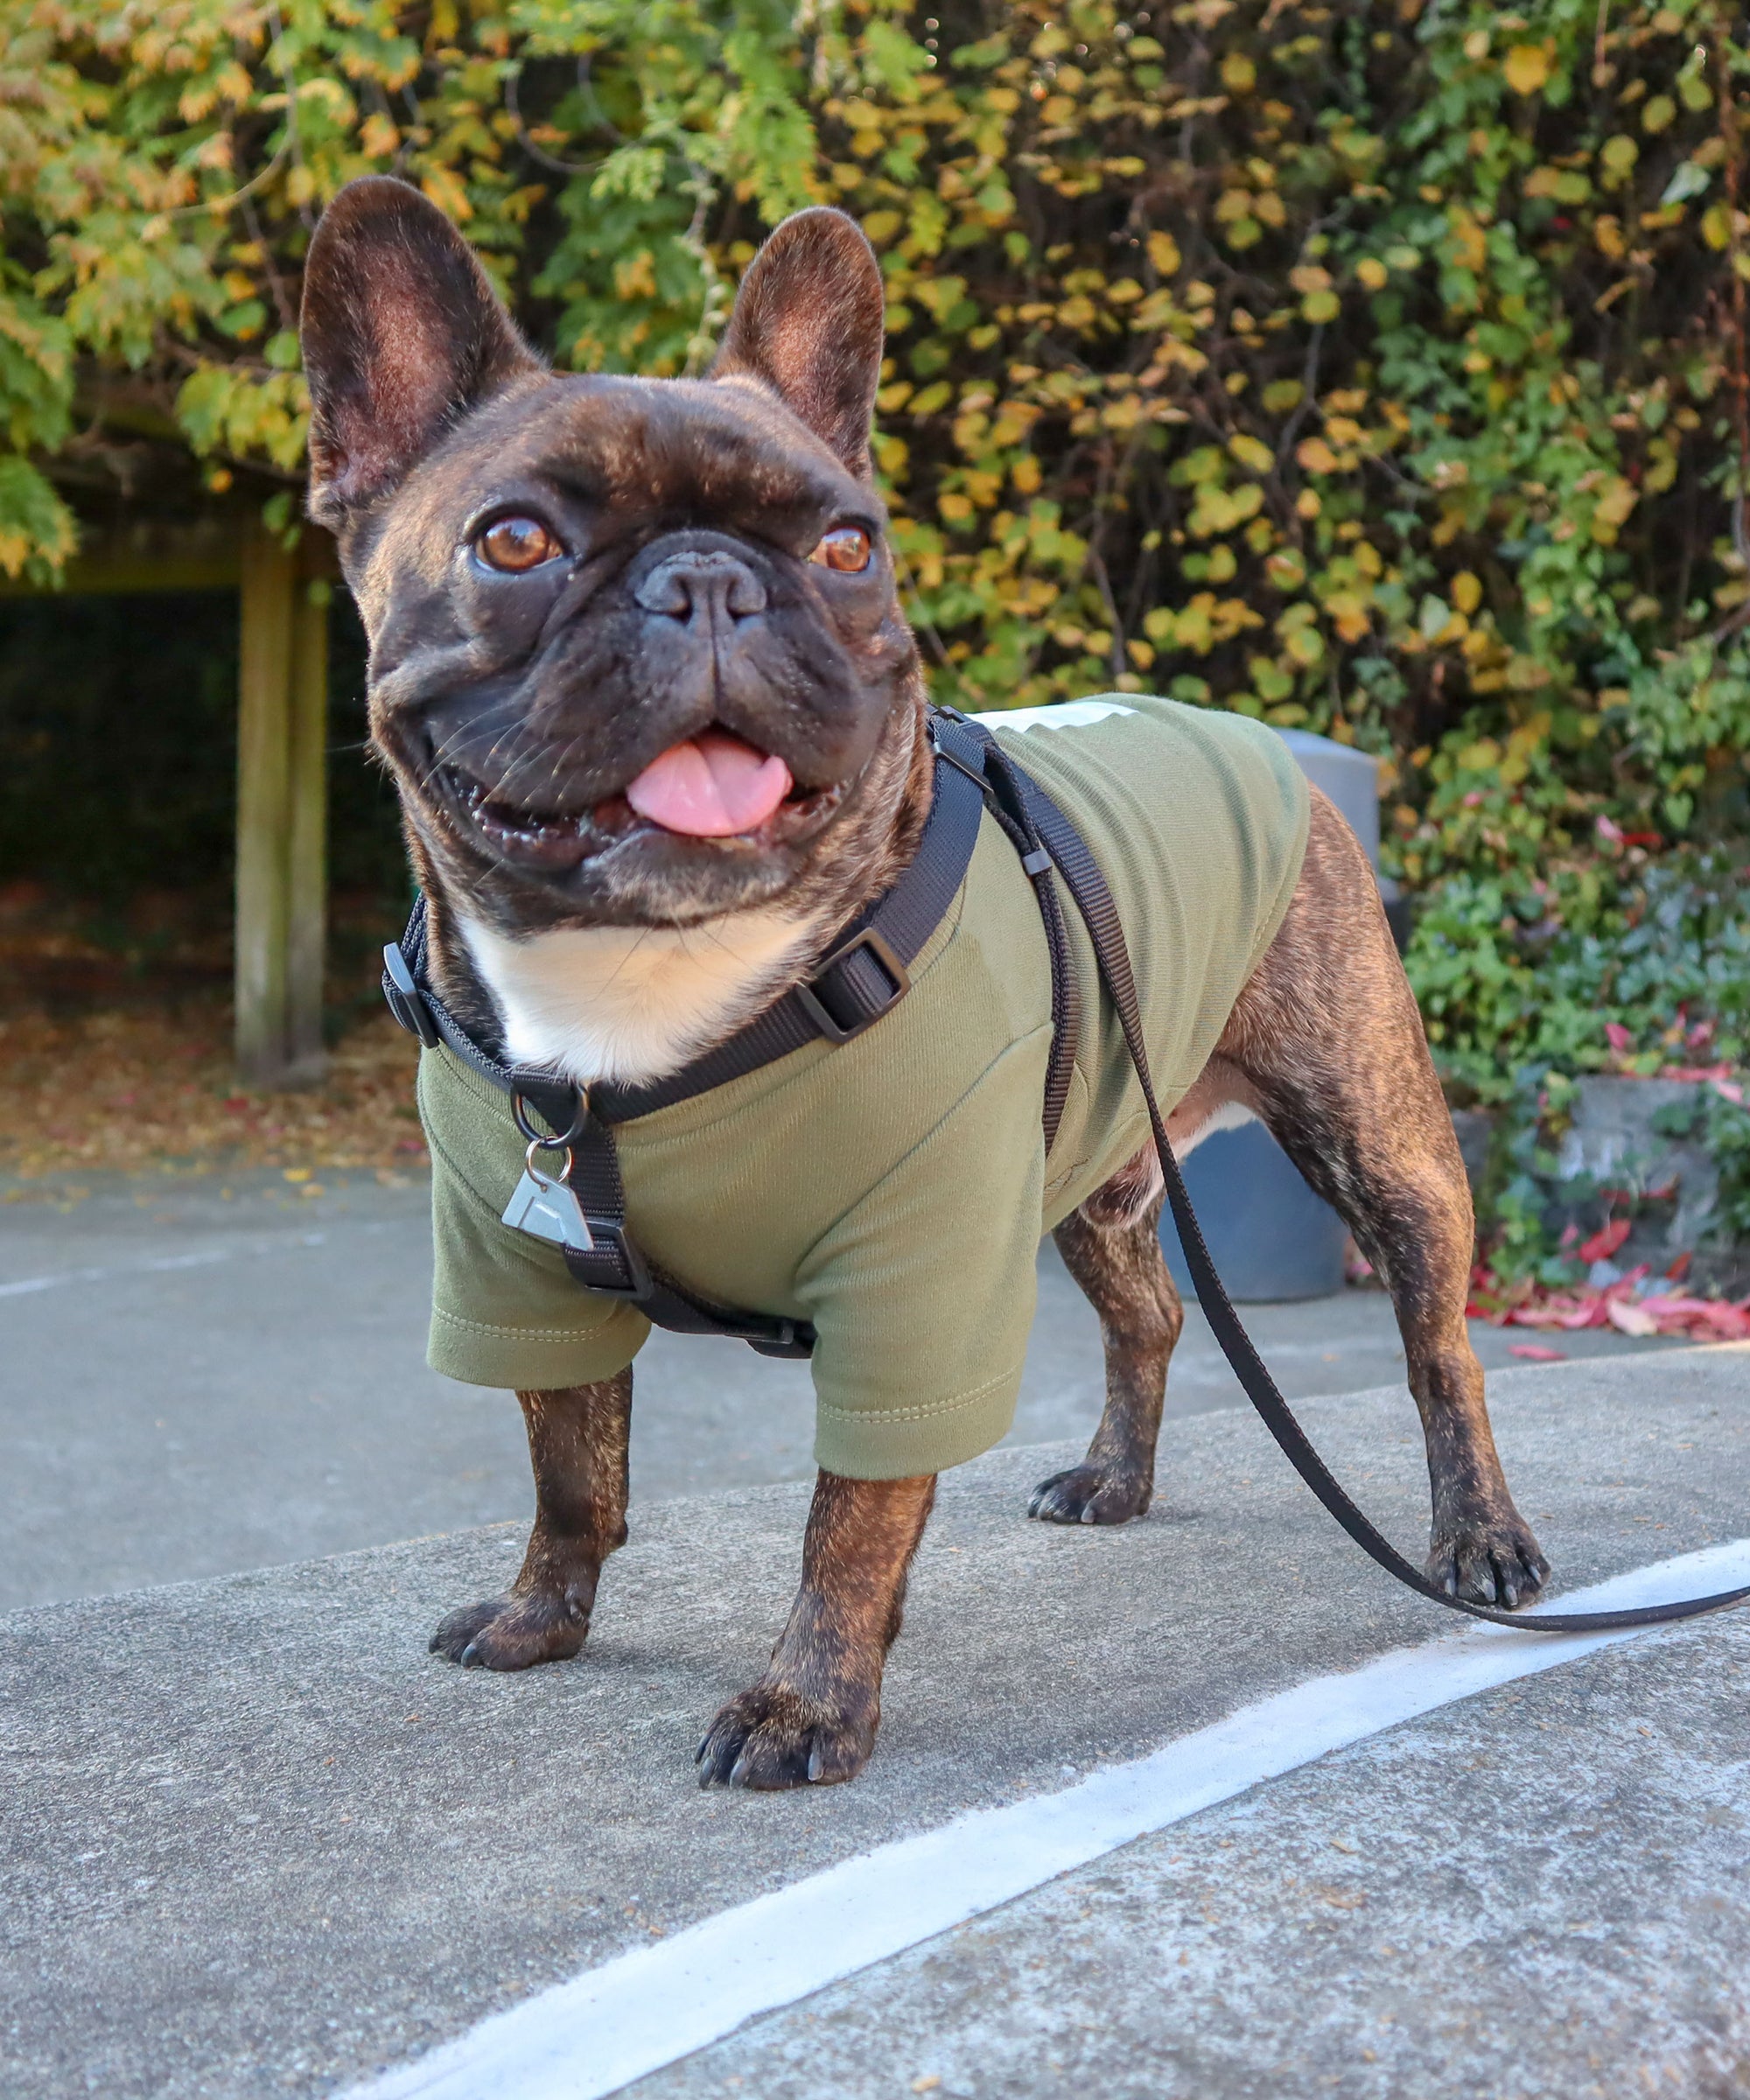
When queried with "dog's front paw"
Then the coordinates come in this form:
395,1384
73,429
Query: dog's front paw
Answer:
1488,1560
769,1737
514,1633
1090,1494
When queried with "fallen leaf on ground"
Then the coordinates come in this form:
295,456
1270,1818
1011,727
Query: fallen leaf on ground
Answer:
154,1088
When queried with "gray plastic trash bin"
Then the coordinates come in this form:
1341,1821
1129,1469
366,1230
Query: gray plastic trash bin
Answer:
1268,1236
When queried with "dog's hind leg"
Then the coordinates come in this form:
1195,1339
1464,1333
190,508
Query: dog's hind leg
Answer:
813,1715
578,1440
1111,1248
1326,1044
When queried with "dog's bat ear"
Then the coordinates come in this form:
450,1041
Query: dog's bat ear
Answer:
810,320
402,333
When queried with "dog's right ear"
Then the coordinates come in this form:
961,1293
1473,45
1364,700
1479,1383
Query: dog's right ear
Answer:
402,333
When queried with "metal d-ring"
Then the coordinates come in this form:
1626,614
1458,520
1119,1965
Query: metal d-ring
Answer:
520,1117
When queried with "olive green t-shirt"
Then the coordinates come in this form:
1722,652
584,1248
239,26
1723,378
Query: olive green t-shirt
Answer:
894,1189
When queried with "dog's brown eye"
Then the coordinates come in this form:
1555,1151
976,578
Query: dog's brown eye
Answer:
845,548
515,544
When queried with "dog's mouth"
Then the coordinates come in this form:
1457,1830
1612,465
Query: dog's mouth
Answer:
713,787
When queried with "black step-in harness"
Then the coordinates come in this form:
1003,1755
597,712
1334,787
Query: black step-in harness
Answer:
864,977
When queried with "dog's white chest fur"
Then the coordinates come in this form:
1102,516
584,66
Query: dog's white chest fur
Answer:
629,1003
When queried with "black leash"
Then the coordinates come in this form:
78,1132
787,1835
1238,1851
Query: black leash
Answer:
1094,900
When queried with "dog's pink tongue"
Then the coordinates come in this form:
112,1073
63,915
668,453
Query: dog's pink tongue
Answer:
711,787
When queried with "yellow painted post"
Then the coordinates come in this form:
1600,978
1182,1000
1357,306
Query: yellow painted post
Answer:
307,840
264,711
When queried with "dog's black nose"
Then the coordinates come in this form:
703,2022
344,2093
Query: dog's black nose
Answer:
707,588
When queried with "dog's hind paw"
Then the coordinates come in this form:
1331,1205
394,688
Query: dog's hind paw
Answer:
1488,1561
770,1739
514,1633
1090,1494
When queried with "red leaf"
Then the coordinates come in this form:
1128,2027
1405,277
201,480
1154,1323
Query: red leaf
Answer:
1618,1037
1605,1241
1534,1352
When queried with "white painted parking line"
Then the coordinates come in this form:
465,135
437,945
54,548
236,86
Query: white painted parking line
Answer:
589,2037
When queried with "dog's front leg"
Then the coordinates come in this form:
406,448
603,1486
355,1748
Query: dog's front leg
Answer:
578,1438
814,1714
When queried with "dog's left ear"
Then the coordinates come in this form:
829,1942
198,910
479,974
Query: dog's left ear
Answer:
810,320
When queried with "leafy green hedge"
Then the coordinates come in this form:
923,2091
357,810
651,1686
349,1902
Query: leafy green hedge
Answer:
1378,367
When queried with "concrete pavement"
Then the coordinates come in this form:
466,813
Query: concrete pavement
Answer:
200,1375
1539,1892
257,1840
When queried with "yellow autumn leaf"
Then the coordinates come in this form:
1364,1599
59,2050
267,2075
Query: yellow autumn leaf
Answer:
1316,456
444,189
1616,500
1164,254
1526,67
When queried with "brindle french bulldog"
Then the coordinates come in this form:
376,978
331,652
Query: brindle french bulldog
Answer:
559,569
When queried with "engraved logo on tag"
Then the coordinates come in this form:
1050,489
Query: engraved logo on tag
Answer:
548,1210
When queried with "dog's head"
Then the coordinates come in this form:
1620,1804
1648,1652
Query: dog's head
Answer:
636,656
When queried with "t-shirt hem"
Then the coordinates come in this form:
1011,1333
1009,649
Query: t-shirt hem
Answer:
901,1443
531,1359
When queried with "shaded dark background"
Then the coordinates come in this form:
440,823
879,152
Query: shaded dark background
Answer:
118,755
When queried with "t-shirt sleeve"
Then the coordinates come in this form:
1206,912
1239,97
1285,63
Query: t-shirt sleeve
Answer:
505,1309
922,1293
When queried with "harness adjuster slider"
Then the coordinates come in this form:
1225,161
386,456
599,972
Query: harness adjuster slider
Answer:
608,1237
859,1008
1036,863
404,998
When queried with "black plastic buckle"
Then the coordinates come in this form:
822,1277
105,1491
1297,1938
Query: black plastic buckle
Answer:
610,1236
830,1025
790,1338
404,1000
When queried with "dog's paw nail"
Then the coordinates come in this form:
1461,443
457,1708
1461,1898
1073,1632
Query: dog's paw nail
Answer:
816,1764
1087,1516
470,1657
738,1771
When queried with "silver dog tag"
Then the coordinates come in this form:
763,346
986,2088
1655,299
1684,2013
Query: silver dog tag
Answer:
548,1210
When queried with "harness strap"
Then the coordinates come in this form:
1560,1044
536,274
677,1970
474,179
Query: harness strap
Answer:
1094,900
865,975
